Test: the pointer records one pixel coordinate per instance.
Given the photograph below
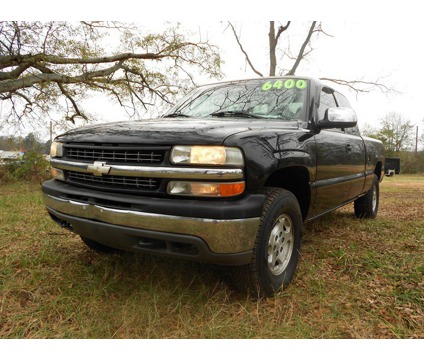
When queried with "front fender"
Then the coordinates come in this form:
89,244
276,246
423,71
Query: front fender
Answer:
270,151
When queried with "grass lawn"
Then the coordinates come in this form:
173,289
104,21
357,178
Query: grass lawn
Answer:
356,279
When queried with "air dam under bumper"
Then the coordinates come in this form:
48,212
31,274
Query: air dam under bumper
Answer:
223,242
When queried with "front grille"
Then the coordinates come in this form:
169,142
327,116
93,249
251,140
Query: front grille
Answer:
114,182
115,154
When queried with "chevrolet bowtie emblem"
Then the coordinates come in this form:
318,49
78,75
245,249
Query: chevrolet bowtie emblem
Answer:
98,168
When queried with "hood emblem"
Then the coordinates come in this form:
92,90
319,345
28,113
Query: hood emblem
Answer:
98,168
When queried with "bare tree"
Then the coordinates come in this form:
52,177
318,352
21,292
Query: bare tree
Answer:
274,36
314,29
50,67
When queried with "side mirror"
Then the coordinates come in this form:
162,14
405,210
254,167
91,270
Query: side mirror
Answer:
338,117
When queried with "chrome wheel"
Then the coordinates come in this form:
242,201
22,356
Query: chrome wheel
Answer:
276,252
280,244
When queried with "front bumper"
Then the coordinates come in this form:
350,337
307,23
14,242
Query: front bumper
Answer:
162,226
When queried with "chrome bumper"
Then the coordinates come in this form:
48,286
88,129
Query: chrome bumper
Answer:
221,236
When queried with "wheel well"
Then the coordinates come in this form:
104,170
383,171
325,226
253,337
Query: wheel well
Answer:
295,180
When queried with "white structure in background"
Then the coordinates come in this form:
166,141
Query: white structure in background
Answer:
6,156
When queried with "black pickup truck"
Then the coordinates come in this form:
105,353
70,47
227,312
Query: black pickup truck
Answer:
227,176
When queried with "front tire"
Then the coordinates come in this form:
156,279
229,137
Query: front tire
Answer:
276,251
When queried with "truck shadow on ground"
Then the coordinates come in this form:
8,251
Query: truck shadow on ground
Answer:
133,273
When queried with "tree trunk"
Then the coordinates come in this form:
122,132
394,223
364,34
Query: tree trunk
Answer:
272,47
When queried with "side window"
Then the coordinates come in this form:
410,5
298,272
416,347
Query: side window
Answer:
341,100
326,101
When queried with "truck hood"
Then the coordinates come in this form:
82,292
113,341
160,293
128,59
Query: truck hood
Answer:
167,131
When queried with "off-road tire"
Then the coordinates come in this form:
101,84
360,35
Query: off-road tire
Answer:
274,260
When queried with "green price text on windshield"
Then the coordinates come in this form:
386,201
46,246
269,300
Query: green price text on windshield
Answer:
285,84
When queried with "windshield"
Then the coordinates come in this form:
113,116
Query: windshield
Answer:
271,99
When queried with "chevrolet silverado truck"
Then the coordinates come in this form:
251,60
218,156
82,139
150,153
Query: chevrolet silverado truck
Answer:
227,176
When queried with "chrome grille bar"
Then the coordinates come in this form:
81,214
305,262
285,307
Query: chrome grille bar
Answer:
155,172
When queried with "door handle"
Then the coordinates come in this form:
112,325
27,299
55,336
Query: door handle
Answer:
348,147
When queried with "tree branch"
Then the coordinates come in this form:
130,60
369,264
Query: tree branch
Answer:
29,81
353,85
281,29
244,52
14,74
74,104
14,60
302,50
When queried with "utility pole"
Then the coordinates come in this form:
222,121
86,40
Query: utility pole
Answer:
51,131
416,142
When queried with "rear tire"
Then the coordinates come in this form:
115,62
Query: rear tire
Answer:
276,251
366,207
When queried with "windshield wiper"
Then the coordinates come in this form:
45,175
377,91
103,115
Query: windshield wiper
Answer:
177,114
234,113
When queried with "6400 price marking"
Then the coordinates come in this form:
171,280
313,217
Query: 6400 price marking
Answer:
285,84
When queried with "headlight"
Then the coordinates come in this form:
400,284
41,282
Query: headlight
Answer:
206,155
56,149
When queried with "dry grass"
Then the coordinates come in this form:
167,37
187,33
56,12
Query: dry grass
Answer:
356,279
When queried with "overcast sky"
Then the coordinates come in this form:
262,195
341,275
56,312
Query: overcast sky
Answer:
378,40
